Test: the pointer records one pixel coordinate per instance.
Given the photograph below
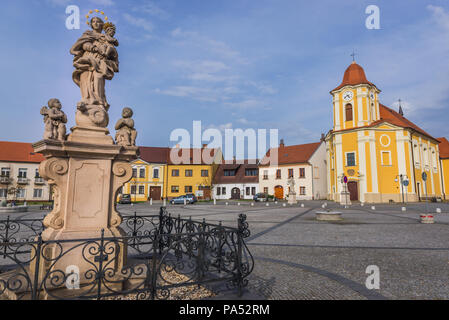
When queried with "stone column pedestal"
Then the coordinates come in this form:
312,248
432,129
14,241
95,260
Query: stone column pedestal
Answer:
85,173
345,198
292,198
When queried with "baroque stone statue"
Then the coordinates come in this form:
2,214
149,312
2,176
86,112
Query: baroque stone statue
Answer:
95,61
126,134
55,120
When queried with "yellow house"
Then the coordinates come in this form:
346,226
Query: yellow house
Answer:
381,153
191,171
149,171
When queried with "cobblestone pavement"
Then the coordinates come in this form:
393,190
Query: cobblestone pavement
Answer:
297,257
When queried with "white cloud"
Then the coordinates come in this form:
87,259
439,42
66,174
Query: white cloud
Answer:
139,22
249,104
153,9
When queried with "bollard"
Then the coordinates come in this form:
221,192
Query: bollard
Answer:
404,209
227,203
284,205
362,204
252,204
302,205
185,201
165,202
438,210
215,202
373,208
267,204
276,202
151,201
238,203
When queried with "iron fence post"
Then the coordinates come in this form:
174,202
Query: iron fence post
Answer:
154,266
239,257
5,250
100,265
34,295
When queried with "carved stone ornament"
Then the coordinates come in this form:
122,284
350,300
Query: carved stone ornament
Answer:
55,120
126,134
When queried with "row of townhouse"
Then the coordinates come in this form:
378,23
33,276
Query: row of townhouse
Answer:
372,153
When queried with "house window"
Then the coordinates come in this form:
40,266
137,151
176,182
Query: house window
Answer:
265,174
188,189
5,172
350,159
156,173
175,189
204,173
253,191
248,191
348,112
37,193
22,173
386,158
265,190
175,173
302,191
229,173
21,193
290,173
134,172
36,175
278,174
189,173
133,189
302,172
218,191
3,193
141,189
223,190
142,173
251,172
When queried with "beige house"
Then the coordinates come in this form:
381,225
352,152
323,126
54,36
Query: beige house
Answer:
305,163
19,173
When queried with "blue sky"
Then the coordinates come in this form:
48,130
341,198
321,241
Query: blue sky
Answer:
231,64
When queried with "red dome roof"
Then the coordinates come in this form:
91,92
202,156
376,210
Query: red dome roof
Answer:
354,75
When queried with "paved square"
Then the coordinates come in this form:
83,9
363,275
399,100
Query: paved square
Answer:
297,257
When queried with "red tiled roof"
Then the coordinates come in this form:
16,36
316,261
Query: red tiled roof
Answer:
154,154
19,152
294,154
194,155
444,148
240,176
393,117
354,75
390,116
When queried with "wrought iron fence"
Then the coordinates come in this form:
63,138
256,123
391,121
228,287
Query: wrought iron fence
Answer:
156,255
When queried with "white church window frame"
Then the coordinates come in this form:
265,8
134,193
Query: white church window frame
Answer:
382,158
355,158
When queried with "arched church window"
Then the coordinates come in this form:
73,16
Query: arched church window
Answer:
348,112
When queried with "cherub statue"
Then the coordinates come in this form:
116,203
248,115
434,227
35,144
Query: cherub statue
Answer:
126,134
55,120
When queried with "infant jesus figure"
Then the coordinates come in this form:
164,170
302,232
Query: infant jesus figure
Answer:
126,134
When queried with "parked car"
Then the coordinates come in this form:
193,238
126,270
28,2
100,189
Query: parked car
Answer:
262,197
179,200
191,198
125,199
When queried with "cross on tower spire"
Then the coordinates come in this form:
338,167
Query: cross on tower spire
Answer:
353,55
401,112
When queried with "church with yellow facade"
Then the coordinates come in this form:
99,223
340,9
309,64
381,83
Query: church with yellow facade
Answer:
375,154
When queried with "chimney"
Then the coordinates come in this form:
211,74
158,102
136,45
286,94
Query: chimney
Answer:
204,145
323,137
281,145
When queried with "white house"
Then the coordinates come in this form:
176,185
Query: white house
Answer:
19,173
236,180
305,163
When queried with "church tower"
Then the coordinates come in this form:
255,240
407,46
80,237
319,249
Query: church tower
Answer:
355,100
